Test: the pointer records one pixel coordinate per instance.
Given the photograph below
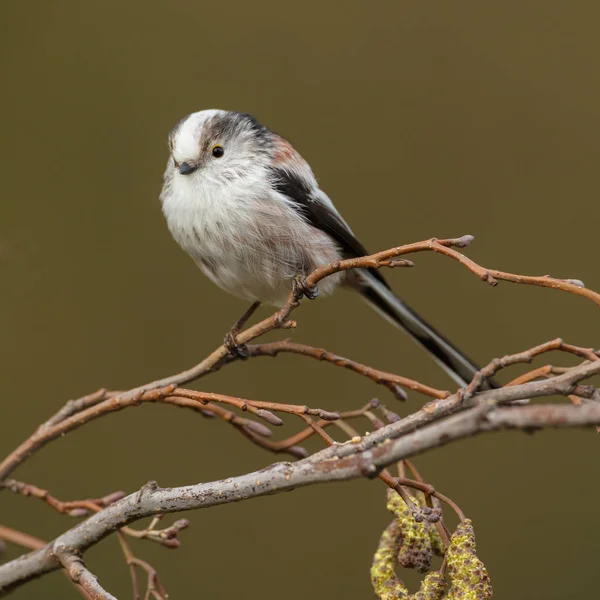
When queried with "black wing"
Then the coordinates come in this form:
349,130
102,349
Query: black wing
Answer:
319,215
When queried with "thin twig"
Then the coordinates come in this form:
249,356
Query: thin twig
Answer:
389,380
20,538
154,588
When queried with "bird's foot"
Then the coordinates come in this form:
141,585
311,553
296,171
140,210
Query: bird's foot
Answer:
233,348
230,341
301,288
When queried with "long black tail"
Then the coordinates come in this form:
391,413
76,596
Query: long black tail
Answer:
382,299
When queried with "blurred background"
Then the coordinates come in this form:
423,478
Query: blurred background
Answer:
420,120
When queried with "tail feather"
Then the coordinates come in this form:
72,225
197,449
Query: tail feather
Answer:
453,361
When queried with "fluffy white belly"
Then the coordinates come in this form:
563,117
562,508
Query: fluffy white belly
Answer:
251,247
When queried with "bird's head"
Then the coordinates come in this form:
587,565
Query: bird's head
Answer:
219,145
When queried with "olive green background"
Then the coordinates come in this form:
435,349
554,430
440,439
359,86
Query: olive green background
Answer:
420,119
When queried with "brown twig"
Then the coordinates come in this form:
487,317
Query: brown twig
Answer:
154,588
446,247
256,407
168,394
20,538
75,508
394,383
75,406
291,444
525,357
428,490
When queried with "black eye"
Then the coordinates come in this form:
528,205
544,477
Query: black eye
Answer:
217,151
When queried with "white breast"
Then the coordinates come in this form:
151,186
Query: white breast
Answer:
250,244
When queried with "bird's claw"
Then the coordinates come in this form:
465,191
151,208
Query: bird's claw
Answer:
300,288
233,348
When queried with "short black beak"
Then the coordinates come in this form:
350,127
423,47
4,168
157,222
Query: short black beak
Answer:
186,168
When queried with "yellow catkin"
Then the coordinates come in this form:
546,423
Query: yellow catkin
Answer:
432,587
468,575
383,577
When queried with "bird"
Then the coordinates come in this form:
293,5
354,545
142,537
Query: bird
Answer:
247,208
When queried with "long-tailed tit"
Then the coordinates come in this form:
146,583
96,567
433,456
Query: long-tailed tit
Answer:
247,208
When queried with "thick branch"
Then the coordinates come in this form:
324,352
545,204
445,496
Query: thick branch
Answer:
343,462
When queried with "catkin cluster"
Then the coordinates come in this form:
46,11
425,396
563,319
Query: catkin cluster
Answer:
411,543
